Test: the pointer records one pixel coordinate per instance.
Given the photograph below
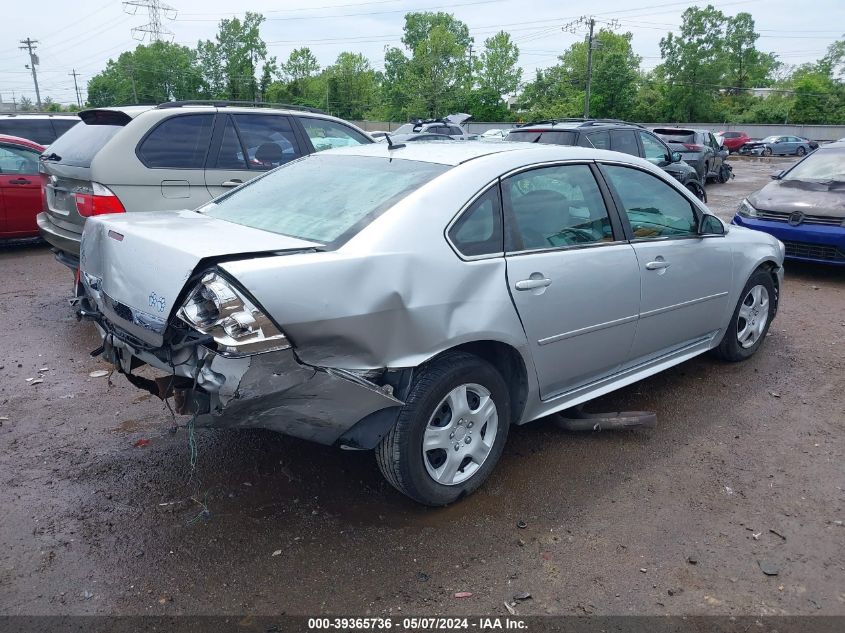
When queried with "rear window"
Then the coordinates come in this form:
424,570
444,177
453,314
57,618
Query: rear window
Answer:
323,198
38,130
677,136
549,137
78,146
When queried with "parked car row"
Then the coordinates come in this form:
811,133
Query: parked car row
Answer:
408,297
618,136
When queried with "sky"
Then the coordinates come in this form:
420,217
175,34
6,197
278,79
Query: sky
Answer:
84,34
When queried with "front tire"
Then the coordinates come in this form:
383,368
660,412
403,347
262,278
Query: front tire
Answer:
450,432
751,319
800,151
767,151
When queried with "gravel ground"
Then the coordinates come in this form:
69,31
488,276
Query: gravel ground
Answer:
102,514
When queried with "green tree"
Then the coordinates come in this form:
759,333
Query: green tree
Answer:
745,66
352,86
25,105
152,73
231,61
434,79
694,63
500,73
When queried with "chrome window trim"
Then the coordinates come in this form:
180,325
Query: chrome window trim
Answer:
571,247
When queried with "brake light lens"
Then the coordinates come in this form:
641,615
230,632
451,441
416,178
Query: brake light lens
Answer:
100,201
693,147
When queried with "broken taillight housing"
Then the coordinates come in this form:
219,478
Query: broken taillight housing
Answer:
100,200
239,328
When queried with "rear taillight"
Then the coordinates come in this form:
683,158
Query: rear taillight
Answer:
693,147
100,201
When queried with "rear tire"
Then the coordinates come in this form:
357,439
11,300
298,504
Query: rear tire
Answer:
751,319
457,400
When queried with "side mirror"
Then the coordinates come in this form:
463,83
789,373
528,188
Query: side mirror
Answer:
778,174
677,157
710,225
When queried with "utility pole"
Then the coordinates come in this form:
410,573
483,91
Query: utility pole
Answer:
590,46
470,66
76,87
28,45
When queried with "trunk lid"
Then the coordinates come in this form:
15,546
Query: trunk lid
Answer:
142,261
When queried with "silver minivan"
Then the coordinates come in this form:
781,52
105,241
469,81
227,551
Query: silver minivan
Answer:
177,155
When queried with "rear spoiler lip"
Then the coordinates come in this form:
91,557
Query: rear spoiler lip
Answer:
104,116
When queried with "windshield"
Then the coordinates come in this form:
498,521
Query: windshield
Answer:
770,139
408,128
824,165
324,198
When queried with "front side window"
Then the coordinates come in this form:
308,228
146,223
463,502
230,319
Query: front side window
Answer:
654,150
323,198
654,208
328,134
624,141
180,142
18,161
554,207
479,230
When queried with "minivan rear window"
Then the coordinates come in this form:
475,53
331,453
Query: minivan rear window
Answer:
78,146
321,198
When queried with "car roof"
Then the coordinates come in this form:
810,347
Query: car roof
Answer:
39,115
17,140
463,151
575,123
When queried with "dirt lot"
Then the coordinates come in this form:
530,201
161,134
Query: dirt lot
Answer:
744,468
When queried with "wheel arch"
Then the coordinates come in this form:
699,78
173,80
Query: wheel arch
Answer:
508,361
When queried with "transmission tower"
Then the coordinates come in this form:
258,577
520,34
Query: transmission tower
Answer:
157,12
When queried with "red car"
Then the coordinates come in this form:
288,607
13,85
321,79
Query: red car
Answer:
20,187
734,140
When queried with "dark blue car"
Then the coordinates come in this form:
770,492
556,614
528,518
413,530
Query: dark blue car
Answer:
804,207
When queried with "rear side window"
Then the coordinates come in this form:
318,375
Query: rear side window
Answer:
78,146
599,140
328,134
180,142
268,139
624,141
456,130
479,230
554,207
38,130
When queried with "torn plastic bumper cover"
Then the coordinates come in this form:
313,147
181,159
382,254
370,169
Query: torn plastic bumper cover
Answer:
272,390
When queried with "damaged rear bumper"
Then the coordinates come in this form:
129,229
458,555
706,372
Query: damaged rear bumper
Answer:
272,390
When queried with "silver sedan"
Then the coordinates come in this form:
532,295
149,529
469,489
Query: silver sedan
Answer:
419,300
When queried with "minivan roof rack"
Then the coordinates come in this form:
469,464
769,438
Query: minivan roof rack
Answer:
247,104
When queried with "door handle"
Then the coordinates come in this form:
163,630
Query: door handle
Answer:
231,183
657,265
532,284
20,181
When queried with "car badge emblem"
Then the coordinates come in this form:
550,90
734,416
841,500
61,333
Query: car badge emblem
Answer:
796,218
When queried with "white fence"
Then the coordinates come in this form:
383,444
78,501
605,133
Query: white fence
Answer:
815,132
